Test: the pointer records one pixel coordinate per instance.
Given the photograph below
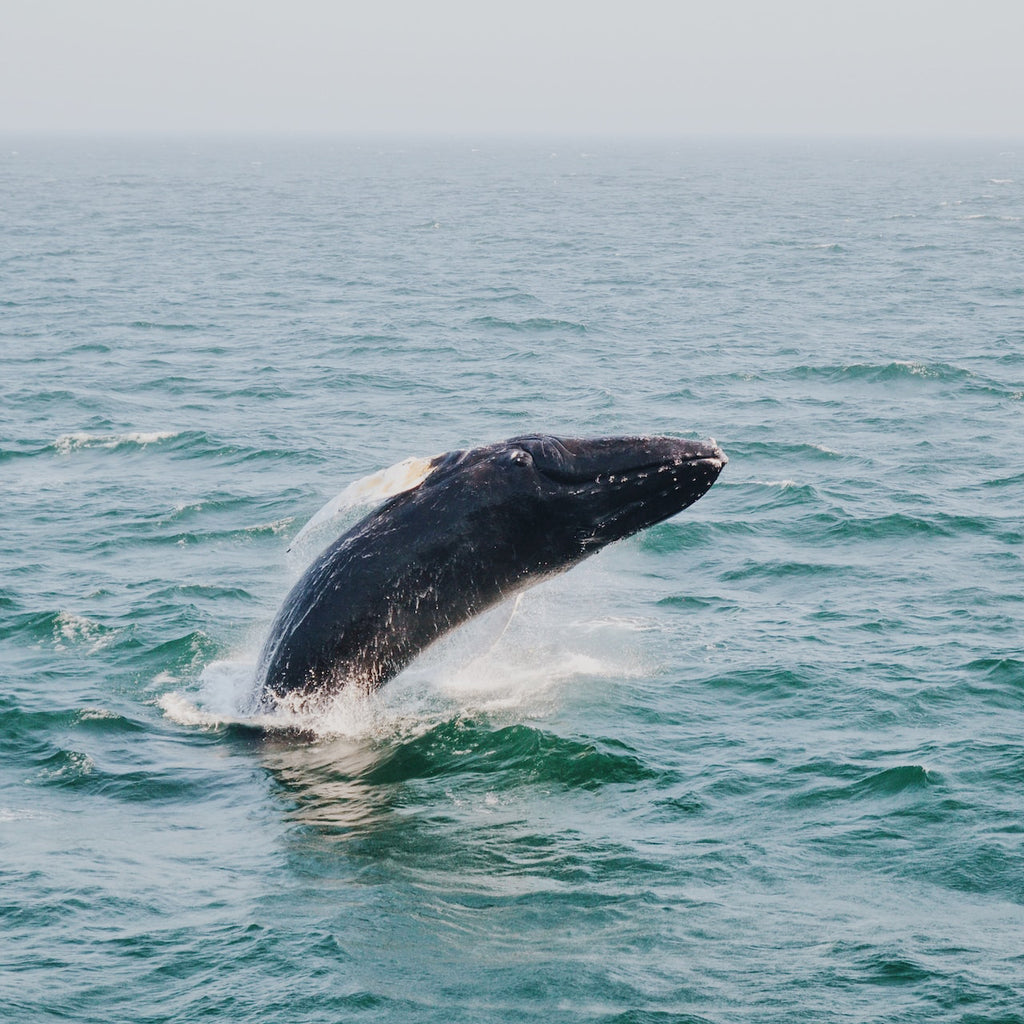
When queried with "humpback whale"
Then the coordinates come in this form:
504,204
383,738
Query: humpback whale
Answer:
479,526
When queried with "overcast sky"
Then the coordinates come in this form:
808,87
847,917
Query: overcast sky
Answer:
920,67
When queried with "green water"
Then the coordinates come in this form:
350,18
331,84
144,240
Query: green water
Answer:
762,763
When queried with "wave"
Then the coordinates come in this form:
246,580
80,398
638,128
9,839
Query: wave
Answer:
532,325
68,768
795,451
185,648
78,631
61,630
182,444
889,782
897,525
149,325
1003,679
45,740
888,967
500,293
201,591
150,536
1012,480
756,682
816,524
779,494
521,754
67,443
898,370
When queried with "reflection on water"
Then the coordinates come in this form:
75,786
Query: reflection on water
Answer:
325,783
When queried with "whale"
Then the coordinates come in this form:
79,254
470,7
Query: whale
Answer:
475,526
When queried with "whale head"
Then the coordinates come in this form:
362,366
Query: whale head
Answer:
564,498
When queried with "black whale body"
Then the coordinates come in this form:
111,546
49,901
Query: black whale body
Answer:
482,525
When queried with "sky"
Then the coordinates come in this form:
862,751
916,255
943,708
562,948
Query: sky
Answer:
632,67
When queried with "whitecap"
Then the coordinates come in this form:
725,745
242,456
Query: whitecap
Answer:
67,443
75,630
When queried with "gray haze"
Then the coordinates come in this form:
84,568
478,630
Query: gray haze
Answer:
731,66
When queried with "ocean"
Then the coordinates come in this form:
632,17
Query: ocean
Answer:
761,763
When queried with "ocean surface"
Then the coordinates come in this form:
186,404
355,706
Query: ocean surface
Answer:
762,763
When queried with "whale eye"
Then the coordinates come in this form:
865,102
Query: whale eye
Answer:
520,458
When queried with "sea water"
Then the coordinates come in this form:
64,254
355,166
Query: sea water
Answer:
761,763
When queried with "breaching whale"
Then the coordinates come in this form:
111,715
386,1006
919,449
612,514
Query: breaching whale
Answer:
481,525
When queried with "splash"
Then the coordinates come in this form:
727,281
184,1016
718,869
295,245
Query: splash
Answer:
518,661
368,490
